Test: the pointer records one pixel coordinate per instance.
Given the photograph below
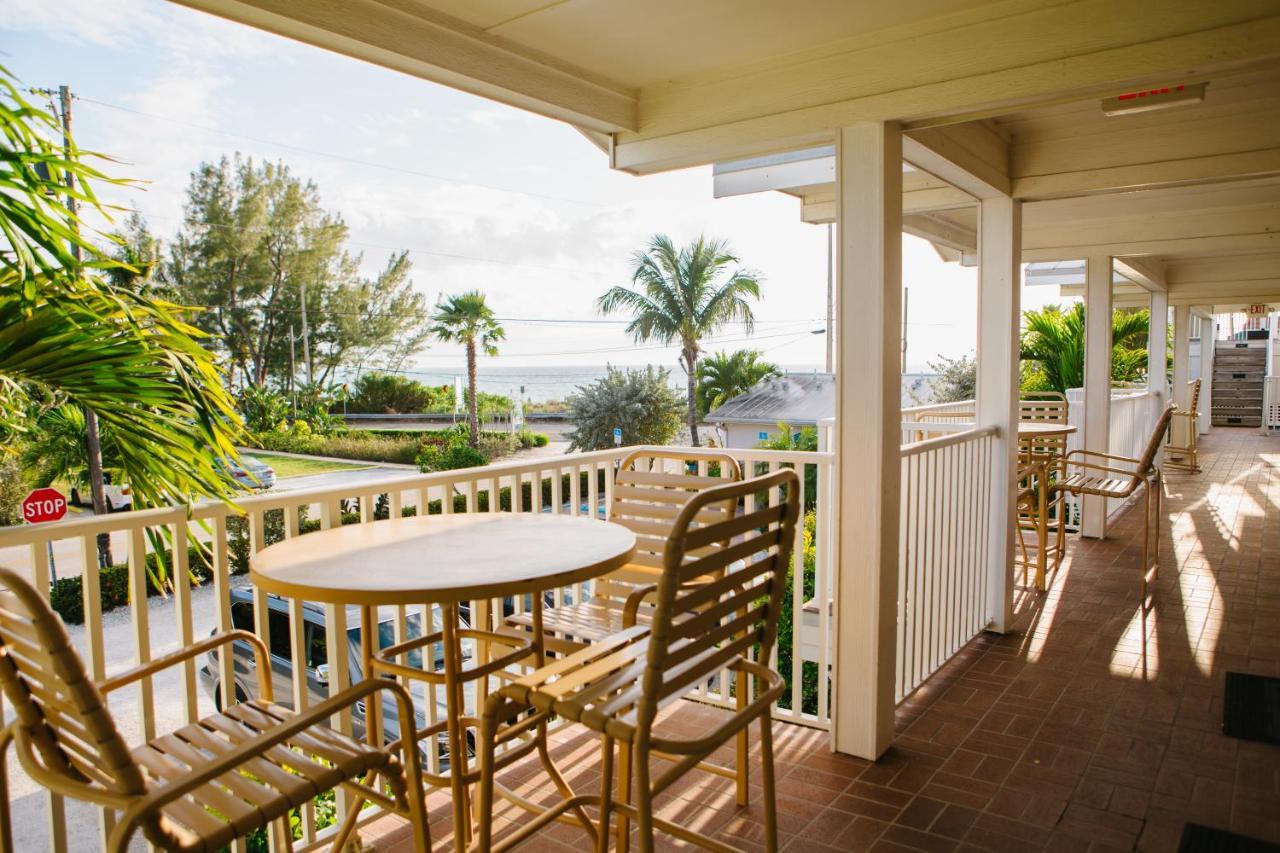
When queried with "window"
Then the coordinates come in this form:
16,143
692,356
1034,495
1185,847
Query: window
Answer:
242,615
317,651
278,623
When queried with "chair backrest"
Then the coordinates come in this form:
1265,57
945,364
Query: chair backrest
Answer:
61,714
1049,406
649,489
698,629
1148,458
1194,407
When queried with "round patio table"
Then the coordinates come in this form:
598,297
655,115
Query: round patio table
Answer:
1043,429
445,560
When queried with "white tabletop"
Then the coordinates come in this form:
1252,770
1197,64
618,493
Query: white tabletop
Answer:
442,558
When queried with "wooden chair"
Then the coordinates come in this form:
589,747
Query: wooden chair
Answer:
1092,473
1033,514
1184,457
616,687
1048,452
203,785
646,500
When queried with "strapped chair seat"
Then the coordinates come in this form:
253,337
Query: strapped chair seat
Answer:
261,788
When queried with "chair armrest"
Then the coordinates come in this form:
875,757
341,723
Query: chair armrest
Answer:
1099,455
260,654
634,600
279,734
1103,468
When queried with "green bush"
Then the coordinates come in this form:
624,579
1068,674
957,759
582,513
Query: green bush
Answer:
434,457
261,408
400,448
641,402
528,439
13,488
387,393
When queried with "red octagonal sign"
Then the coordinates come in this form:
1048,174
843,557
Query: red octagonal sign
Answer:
44,505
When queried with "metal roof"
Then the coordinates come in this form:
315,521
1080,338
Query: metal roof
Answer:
799,399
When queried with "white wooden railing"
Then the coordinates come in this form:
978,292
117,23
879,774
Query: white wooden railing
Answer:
944,550
573,484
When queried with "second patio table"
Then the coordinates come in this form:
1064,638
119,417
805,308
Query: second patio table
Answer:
445,560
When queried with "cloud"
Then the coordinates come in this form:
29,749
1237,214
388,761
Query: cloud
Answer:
178,34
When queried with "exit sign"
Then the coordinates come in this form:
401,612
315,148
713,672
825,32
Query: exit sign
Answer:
1259,310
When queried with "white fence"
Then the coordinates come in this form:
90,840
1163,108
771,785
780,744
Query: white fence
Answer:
944,550
574,484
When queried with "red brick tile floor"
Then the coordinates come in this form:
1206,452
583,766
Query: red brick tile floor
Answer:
1085,728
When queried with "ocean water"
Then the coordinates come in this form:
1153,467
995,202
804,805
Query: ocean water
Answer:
540,383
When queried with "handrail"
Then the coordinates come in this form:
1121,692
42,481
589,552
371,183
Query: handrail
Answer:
918,447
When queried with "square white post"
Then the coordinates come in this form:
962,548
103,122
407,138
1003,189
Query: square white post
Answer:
1182,367
1097,381
999,322
1208,347
868,415
1158,347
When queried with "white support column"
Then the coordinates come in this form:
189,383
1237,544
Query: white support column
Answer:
868,415
1097,381
999,315
1158,346
1181,367
1208,349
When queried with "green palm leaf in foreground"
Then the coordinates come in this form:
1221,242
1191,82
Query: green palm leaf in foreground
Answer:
69,336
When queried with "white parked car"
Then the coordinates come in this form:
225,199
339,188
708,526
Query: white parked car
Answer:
118,498
249,473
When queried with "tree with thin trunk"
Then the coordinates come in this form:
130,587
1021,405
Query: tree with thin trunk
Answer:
679,294
468,320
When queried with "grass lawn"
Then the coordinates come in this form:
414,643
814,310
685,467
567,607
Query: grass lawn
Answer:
290,466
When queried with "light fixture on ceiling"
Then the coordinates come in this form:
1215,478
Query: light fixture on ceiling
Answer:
1153,99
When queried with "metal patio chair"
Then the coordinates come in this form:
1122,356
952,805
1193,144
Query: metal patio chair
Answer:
1091,473
207,783
1184,457
616,687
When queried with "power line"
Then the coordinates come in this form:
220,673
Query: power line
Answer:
342,157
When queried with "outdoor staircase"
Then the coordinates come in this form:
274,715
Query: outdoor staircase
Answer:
1238,371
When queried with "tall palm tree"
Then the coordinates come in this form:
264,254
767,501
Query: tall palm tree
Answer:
468,320
724,376
676,294
1053,341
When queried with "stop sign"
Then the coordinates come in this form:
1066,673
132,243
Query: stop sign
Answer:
44,505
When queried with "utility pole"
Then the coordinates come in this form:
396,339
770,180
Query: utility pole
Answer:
830,302
93,444
306,335
293,371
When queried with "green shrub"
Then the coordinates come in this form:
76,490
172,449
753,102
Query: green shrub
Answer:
387,393
528,439
261,408
400,448
641,402
13,488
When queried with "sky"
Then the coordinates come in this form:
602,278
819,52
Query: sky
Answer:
482,195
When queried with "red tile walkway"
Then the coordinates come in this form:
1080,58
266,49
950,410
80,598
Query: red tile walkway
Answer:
1078,731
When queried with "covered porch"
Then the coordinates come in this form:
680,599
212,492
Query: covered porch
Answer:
1081,728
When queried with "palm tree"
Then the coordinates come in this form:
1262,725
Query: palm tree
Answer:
675,296
724,376
1053,343
68,335
466,319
